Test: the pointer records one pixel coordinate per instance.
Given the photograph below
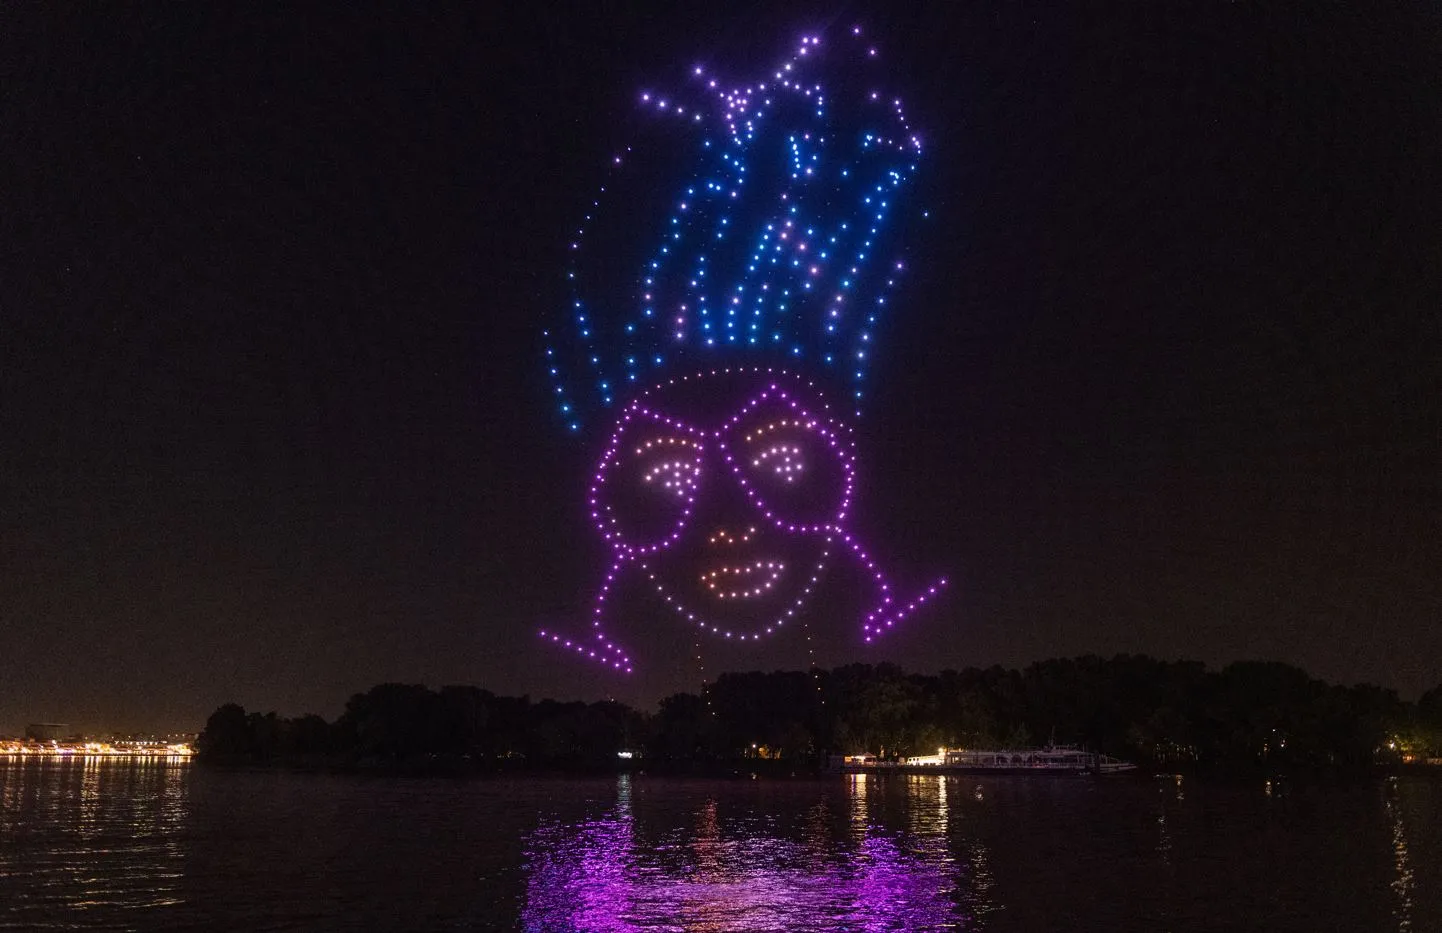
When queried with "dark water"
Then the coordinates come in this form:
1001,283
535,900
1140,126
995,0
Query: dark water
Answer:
121,845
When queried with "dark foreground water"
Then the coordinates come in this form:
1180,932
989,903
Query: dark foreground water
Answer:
94,844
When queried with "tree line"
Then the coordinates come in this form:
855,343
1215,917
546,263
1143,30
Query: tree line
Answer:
1168,714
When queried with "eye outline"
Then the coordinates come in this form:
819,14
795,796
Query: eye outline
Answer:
685,476
683,487
792,464
621,454
834,435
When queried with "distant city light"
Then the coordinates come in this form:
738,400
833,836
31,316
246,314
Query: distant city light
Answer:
84,749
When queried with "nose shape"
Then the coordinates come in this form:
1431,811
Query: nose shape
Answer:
723,514
724,537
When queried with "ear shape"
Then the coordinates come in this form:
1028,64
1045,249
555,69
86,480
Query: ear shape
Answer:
646,481
795,466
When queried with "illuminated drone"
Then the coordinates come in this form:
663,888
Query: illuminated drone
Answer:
728,490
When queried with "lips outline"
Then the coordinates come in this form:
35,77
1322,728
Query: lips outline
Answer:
774,569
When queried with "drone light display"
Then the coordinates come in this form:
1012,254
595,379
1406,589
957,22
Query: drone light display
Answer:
727,480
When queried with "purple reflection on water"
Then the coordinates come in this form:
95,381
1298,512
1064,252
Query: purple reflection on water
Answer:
601,875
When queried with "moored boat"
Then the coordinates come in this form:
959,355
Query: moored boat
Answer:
1052,759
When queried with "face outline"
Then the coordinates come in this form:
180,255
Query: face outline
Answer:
752,480
733,524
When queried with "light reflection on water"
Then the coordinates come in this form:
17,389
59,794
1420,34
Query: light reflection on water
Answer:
151,845
1401,858
733,872
112,835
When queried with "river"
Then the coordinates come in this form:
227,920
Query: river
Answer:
97,844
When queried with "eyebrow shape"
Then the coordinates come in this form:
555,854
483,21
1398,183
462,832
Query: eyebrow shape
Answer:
664,441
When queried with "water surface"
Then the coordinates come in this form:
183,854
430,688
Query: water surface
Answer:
155,845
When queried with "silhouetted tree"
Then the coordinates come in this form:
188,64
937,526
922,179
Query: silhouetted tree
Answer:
393,722
684,728
1256,714
226,735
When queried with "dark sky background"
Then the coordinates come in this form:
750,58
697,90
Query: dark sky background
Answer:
274,427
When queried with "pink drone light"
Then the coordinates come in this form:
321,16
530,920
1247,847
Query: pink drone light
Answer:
757,500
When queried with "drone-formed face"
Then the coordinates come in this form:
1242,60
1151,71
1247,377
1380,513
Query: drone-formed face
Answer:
771,240
733,516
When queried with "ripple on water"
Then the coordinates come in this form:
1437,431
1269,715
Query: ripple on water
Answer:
86,840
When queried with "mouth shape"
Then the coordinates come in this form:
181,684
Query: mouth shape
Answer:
743,581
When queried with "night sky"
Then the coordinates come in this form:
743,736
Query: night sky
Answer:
1163,378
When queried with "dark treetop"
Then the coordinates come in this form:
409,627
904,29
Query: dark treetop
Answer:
1166,715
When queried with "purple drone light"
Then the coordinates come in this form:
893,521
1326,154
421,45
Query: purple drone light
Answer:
771,525
730,490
